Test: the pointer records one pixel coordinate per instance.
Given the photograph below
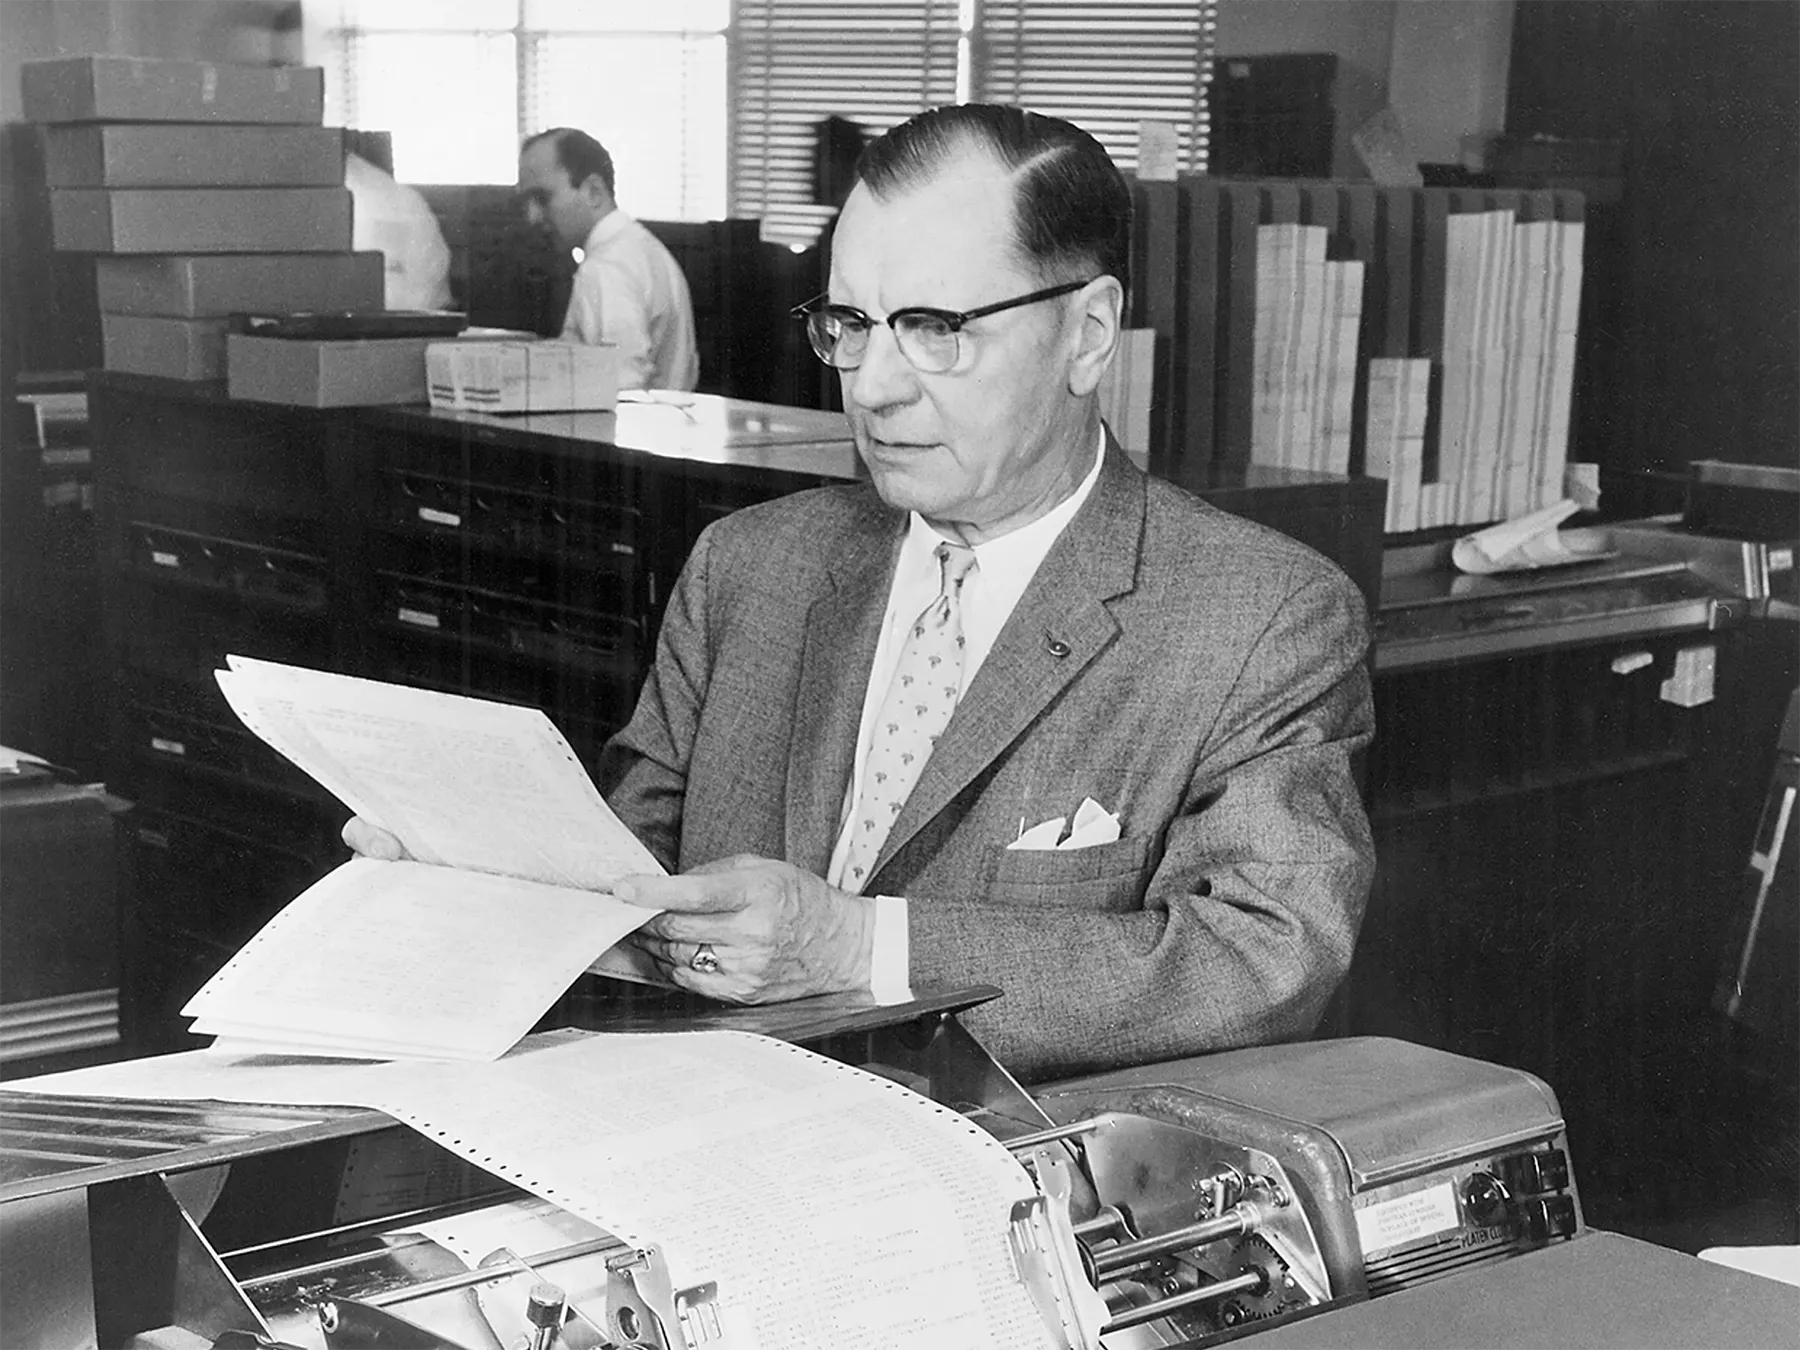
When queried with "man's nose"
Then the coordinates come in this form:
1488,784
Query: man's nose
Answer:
884,376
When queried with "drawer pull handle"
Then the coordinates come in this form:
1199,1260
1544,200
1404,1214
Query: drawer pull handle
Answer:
418,618
432,516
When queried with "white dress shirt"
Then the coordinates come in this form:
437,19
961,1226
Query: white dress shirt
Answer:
1004,567
630,291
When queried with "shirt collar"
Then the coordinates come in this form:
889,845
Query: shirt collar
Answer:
1025,547
608,227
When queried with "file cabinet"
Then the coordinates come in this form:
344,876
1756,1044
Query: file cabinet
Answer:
219,531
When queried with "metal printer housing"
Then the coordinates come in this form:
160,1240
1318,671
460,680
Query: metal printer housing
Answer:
1369,1131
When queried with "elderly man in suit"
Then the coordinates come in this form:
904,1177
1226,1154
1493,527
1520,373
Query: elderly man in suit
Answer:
864,695
1011,712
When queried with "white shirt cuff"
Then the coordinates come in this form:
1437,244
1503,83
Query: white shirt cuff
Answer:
890,961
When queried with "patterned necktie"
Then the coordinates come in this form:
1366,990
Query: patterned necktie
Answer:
918,704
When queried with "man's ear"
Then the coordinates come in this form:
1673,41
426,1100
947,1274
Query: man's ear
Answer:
1100,311
593,189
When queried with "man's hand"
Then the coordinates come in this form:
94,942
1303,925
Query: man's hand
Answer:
777,932
372,841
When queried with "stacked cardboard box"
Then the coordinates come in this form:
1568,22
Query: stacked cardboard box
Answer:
203,190
519,377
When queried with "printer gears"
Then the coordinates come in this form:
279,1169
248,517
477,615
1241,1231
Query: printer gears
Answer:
1254,1253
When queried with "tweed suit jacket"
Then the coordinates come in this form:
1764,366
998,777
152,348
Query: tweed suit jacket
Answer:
1198,675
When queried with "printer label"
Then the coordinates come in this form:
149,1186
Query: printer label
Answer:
1406,1218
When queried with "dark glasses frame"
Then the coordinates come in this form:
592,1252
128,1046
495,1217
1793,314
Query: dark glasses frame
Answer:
953,320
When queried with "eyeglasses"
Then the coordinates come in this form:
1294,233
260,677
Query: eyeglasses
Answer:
928,337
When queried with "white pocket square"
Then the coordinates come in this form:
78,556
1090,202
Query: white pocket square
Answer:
1093,824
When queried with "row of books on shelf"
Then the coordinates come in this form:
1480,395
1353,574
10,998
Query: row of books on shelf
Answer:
1424,335
1503,386
1308,311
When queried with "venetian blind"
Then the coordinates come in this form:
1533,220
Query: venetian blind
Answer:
1105,65
796,62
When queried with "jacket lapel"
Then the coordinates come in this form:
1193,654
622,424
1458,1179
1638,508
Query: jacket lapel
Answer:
842,630
1060,625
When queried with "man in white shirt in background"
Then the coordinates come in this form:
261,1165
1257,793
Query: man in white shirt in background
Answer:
628,289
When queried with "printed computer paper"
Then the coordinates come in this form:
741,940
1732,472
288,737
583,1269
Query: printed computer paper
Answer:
454,953
462,782
833,1208
402,960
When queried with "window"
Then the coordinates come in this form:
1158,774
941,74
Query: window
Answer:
799,61
1103,65
460,83
711,107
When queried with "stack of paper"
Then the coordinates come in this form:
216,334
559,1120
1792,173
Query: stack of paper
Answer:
1562,312
1477,287
1308,313
455,953
1512,300
1543,311
1336,358
1399,403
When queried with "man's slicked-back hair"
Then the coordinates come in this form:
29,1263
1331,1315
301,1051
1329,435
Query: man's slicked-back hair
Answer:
1071,208
580,154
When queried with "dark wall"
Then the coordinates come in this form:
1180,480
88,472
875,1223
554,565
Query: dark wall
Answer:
1705,95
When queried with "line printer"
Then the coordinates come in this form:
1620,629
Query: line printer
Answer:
1277,1191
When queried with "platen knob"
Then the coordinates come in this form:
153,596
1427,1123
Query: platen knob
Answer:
1484,1197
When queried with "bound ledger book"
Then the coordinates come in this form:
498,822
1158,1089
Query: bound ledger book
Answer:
503,900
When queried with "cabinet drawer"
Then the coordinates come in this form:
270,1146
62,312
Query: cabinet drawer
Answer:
581,640
185,636
254,573
218,884
172,744
433,506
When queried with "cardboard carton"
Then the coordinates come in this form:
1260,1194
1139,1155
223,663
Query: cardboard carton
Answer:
153,344
200,220
516,377
193,156
199,285
144,89
334,374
